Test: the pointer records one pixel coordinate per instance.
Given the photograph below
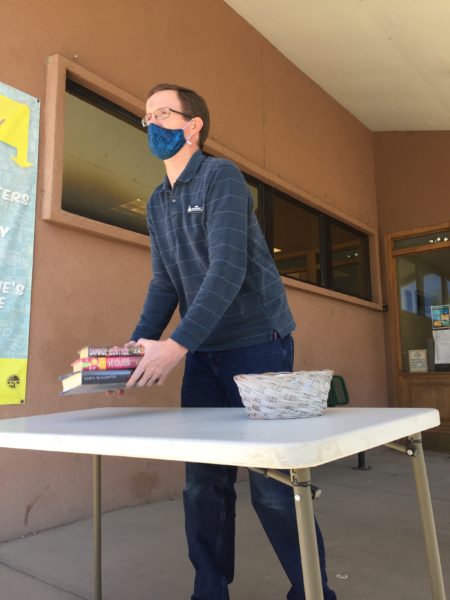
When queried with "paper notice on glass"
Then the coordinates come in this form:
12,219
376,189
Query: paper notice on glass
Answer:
441,346
418,361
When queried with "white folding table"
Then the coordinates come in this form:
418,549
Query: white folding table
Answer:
228,436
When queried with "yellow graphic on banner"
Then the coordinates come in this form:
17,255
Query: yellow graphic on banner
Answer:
14,126
13,377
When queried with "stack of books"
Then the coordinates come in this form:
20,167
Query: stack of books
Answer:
101,368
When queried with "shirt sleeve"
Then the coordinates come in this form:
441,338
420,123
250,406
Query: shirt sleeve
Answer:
228,206
160,302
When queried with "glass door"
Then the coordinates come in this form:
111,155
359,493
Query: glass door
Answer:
419,317
423,282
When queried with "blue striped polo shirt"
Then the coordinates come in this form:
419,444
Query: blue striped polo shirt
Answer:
210,257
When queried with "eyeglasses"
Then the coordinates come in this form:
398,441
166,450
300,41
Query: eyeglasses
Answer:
160,114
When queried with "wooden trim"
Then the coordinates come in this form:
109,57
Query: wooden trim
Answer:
434,374
53,135
419,249
394,314
375,268
419,231
315,289
58,70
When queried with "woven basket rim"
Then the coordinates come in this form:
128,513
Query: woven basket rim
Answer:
292,393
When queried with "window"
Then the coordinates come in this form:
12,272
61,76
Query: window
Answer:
349,261
309,246
295,239
108,176
108,173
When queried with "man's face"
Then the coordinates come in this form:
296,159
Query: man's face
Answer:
166,99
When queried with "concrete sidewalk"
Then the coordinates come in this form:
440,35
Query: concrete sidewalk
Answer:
370,521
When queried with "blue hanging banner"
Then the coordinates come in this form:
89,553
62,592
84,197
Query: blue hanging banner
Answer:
19,140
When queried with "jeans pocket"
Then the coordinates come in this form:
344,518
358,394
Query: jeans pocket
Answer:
288,352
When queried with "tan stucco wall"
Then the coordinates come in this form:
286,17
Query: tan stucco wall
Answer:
90,289
413,183
413,179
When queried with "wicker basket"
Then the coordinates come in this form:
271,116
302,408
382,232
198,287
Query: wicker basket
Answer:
285,395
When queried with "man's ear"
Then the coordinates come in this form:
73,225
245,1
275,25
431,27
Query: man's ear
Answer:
195,128
197,124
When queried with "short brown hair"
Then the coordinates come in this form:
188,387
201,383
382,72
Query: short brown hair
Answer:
193,105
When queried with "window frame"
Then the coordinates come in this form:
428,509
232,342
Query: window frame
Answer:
117,112
394,319
270,191
325,249
357,232
60,69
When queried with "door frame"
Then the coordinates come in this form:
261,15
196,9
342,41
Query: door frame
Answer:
404,380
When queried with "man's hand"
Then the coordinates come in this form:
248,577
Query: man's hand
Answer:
120,393
159,359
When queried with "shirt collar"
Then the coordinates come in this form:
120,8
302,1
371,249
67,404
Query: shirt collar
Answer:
189,170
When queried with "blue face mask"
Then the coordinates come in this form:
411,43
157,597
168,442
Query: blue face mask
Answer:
165,143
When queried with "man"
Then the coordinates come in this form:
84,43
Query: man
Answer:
209,256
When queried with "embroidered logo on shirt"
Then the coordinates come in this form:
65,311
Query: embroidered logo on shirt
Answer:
195,208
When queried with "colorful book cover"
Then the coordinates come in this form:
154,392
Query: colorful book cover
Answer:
98,363
96,351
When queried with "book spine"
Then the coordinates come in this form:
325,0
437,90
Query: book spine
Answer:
92,363
96,351
115,376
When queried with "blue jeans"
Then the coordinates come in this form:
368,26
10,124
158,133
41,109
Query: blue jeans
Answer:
209,496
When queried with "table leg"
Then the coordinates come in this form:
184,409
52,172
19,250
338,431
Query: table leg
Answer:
301,482
97,526
426,513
